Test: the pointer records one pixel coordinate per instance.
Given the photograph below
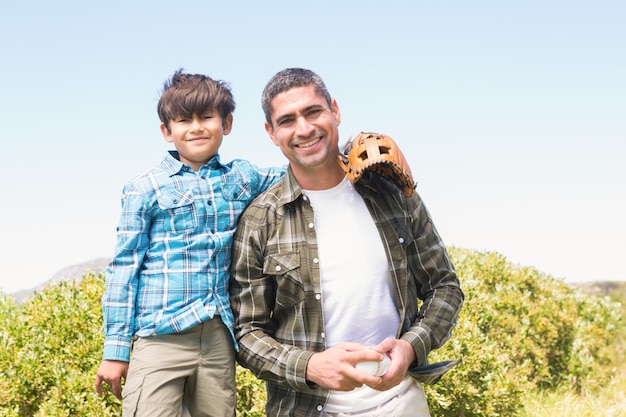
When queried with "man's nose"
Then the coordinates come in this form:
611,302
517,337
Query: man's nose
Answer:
304,127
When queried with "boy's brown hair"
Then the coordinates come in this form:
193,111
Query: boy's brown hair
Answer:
187,94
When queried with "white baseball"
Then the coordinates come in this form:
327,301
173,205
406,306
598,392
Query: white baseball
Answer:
373,367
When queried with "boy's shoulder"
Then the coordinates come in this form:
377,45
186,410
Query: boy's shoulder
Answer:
151,179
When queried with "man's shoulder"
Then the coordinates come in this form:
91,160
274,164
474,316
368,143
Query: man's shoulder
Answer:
272,197
269,201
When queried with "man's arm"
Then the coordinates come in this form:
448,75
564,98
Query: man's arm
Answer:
437,285
252,298
297,360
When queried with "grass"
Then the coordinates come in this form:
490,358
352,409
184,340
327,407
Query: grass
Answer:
604,401
609,401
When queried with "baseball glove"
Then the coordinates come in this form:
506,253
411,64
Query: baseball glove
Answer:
380,154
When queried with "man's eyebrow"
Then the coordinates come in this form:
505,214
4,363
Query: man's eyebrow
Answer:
283,117
305,110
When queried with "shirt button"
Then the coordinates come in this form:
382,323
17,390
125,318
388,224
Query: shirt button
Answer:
305,198
209,202
319,407
315,260
323,335
401,240
318,296
278,268
310,225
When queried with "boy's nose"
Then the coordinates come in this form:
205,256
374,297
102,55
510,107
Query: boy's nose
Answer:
196,124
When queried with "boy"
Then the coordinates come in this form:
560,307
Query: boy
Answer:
167,285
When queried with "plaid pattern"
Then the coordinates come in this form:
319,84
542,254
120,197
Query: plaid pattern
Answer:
171,266
277,297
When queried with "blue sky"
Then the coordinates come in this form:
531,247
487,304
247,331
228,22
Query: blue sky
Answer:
512,114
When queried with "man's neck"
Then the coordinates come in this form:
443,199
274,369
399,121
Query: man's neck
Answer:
319,179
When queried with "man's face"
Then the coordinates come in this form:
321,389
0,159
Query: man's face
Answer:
305,129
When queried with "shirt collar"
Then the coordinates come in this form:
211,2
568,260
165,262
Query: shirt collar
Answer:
172,165
291,190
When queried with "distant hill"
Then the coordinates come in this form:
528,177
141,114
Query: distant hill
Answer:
71,272
613,289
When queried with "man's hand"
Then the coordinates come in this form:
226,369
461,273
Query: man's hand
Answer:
401,354
112,373
334,367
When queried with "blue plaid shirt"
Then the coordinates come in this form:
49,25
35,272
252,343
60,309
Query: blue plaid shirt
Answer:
171,266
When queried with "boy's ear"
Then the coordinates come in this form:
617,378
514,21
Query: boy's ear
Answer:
166,134
228,124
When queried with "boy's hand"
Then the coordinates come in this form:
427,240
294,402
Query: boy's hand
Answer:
112,373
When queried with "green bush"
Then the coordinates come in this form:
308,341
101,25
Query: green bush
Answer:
50,350
519,330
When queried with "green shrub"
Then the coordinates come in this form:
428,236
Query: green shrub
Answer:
52,350
519,330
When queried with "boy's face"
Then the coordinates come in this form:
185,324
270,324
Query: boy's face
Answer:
197,139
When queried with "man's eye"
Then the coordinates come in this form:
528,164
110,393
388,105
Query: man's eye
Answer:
284,122
314,112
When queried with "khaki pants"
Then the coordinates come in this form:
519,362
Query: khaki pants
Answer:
193,370
410,403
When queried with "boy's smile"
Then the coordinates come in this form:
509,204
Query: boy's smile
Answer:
197,138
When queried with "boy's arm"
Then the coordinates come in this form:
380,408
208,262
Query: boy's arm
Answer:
269,176
112,373
122,276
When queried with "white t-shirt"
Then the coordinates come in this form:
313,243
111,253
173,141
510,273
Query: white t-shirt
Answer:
358,296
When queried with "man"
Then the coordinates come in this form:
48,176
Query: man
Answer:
327,274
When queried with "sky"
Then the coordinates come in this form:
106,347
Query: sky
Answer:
512,114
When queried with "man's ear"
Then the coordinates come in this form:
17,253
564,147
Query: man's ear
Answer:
166,133
270,131
334,107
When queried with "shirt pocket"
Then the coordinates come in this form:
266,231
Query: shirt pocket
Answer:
237,188
179,213
285,267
